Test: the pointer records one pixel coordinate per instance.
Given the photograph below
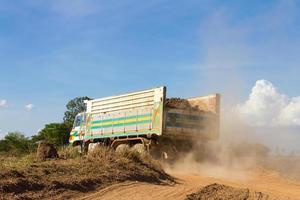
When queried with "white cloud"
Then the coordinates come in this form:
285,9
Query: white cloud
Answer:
29,107
266,106
3,103
290,115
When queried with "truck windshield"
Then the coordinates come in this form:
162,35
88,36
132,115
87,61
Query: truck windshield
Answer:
78,121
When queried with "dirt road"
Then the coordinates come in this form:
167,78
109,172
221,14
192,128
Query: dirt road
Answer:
270,184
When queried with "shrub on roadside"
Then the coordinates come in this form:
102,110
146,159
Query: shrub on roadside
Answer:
16,144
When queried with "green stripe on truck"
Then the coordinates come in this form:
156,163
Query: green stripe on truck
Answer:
122,124
121,118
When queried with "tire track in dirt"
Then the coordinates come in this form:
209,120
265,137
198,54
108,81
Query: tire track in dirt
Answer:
189,183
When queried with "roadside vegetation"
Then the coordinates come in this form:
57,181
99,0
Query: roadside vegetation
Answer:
24,176
72,174
17,144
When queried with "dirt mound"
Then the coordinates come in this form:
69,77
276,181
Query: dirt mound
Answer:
177,103
222,192
46,150
64,178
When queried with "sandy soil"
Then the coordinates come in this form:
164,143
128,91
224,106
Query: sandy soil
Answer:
265,182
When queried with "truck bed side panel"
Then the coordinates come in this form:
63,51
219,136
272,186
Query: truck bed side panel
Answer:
132,114
200,123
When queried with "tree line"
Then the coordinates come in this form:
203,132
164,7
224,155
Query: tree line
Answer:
16,143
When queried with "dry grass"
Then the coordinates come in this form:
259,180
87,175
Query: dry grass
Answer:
11,162
27,178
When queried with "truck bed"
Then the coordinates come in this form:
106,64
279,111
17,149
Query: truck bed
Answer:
148,112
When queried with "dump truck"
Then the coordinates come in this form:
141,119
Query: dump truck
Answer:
148,121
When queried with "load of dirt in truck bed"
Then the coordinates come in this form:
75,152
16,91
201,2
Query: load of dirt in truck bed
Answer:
68,176
222,192
179,103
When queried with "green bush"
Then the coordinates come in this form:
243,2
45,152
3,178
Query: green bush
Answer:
15,143
54,133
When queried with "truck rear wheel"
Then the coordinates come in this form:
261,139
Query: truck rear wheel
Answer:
139,148
122,148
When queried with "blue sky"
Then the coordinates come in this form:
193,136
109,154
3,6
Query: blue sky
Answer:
54,50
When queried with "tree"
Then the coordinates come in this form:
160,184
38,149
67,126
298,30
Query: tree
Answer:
16,143
54,133
4,147
74,107
58,133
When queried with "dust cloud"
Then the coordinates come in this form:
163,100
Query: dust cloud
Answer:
233,156
237,154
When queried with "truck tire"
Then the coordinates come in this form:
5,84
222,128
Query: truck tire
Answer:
122,148
139,148
93,147
85,147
